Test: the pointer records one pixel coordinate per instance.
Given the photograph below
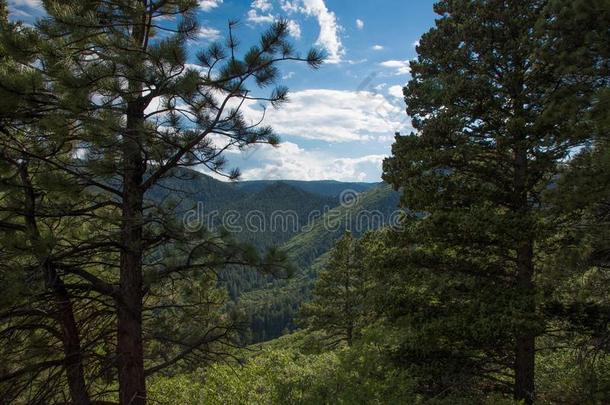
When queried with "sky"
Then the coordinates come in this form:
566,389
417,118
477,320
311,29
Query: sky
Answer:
340,121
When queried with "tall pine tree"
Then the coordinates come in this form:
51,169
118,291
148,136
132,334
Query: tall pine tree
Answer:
490,132
125,110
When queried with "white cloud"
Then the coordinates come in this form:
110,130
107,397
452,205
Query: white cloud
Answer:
294,29
262,5
209,34
257,11
333,116
327,20
256,15
416,44
359,23
329,29
395,91
256,18
154,107
289,161
207,5
387,138
288,75
289,6
401,67
377,47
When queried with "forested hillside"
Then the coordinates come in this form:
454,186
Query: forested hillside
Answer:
329,188
272,308
303,219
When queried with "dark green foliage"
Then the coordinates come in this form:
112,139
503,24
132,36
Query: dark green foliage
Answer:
100,110
494,286
328,188
371,210
270,302
488,102
339,296
276,304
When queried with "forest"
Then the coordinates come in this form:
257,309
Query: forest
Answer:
476,272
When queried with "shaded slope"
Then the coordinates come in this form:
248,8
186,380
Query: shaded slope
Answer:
271,310
277,212
329,188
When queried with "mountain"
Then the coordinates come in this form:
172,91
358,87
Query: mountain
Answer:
190,188
371,210
277,212
330,188
271,309
303,218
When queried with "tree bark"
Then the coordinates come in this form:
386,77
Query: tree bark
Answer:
525,351
130,351
524,389
71,339
64,311
130,348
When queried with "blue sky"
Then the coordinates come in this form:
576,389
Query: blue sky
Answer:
340,120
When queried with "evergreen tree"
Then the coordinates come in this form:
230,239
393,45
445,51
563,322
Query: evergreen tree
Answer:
38,224
123,109
578,203
338,304
491,131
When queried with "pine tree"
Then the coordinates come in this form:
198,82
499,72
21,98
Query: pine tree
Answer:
578,201
491,131
123,109
338,304
39,307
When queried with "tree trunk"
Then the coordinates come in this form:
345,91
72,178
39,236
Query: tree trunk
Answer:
132,384
71,339
130,351
525,351
64,311
524,389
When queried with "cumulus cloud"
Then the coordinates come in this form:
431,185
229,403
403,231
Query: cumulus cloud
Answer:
289,6
258,8
256,18
261,11
209,34
377,47
329,29
262,5
395,91
333,116
290,161
401,67
359,23
294,29
207,5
